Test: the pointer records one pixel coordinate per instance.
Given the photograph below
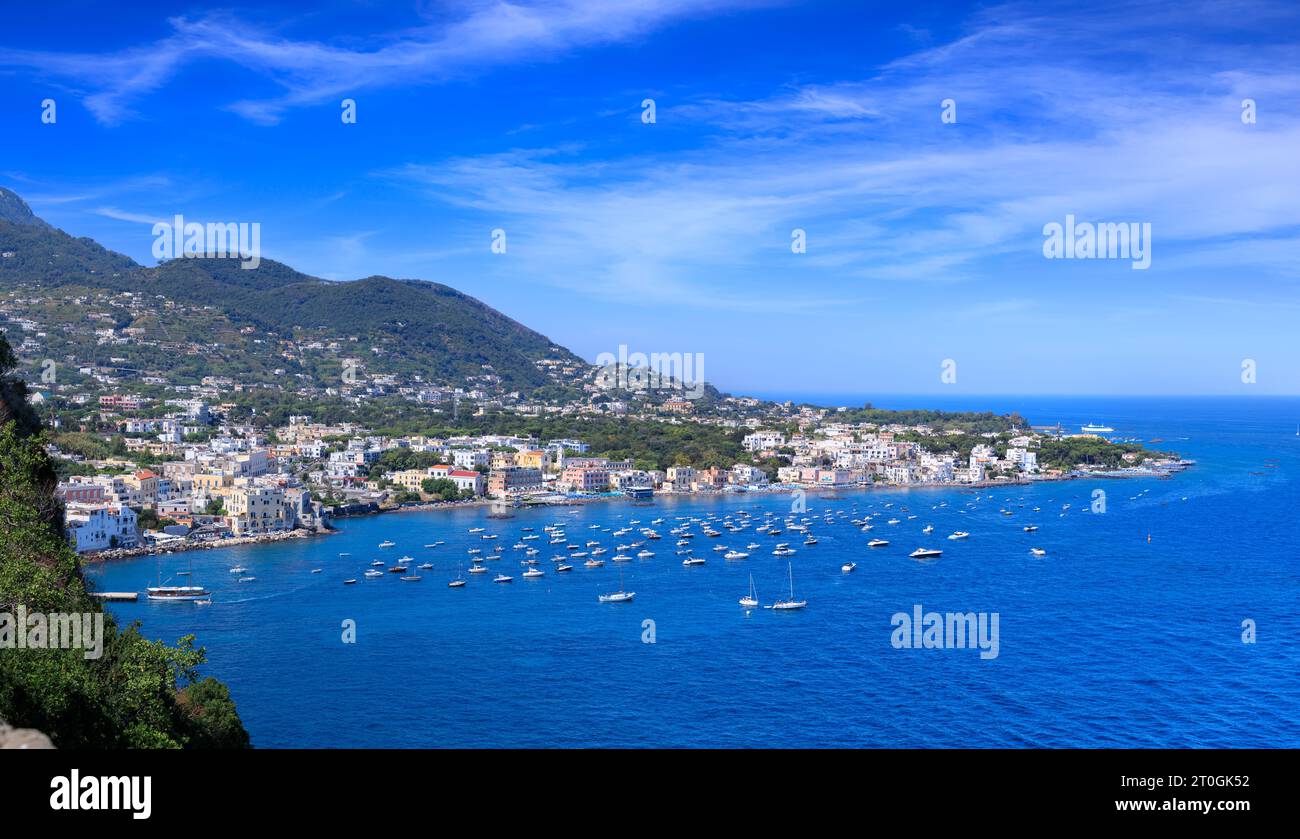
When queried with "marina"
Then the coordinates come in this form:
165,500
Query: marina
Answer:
545,662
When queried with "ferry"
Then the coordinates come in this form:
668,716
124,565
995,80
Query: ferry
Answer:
1095,429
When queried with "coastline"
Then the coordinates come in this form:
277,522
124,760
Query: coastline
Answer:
96,557
303,533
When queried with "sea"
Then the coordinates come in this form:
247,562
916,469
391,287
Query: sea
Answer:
1164,617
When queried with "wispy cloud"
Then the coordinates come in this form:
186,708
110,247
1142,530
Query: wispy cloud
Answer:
472,37
887,192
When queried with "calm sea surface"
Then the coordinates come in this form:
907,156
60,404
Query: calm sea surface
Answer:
1108,640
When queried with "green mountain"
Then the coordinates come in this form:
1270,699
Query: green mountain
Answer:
267,324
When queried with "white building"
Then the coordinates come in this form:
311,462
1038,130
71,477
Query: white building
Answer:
761,440
100,527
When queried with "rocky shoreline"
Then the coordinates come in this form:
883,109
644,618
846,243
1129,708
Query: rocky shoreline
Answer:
199,545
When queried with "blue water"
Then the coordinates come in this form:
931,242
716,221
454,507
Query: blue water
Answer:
1109,640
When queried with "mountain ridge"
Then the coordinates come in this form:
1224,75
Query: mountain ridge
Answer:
397,325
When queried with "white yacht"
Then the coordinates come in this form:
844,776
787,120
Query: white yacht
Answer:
877,543
848,566
960,534
925,553
735,555
785,605
620,596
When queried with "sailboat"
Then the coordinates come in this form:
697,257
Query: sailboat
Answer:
750,601
175,593
620,596
791,603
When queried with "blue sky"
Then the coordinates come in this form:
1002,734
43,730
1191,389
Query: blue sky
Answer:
924,238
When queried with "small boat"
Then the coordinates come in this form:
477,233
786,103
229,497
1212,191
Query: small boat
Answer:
425,566
645,554
620,596
735,555
239,569
1030,528
478,569
693,560
594,563
848,566
750,601
503,578
247,579
960,534
785,605
372,574
561,568
532,573
316,570
412,578
378,563
456,583
476,530
925,553
877,543
349,582
1038,552
204,602
387,544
